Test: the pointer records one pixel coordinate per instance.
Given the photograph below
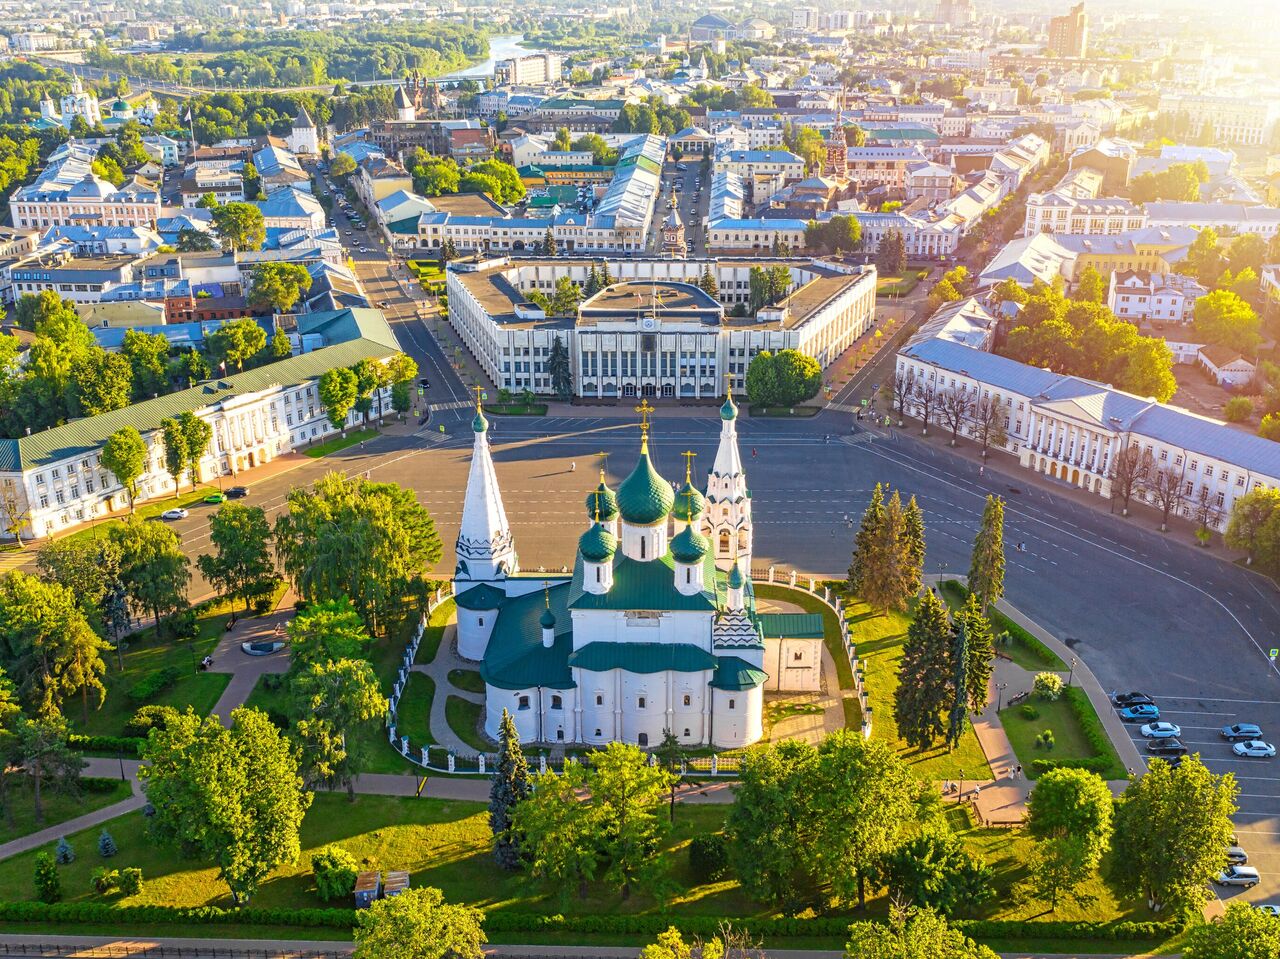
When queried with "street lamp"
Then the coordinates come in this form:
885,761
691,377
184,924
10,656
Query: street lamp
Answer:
1071,675
960,789
1000,688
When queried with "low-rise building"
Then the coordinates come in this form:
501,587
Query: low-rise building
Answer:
1141,296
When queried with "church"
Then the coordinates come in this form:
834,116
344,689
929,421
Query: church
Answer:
655,630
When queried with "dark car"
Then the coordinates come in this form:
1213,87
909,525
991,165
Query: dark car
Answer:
1131,699
237,492
424,383
1166,747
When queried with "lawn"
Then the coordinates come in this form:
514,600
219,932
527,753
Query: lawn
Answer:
464,719
274,702
340,443
413,717
151,509
897,285
1067,718
1022,648
879,638
516,409
58,806
468,679
434,633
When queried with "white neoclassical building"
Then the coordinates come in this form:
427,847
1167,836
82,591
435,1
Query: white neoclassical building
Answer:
656,629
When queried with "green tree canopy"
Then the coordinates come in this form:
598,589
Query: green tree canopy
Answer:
277,287
419,924
241,538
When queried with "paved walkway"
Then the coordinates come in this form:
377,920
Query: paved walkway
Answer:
246,670
447,659
52,834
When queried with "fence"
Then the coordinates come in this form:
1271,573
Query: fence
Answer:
441,759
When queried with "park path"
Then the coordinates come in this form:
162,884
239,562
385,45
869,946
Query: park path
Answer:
446,660
52,834
246,670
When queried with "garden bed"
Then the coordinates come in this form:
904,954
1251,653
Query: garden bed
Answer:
1023,648
1078,737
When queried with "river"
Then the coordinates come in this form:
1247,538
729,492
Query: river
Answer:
500,48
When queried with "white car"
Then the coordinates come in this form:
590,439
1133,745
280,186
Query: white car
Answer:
1271,909
175,513
1254,748
1161,730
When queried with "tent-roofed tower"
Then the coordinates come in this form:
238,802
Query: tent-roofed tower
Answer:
727,518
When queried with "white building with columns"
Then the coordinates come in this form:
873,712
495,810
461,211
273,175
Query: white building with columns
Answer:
1074,430
655,630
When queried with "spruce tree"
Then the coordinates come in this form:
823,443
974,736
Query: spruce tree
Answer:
607,278
958,688
708,282
913,543
980,653
872,520
592,286
106,845
510,786
986,569
63,854
924,677
885,576
448,251
549,243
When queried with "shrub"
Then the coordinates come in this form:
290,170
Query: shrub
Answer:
148,718
1237,409
335,872
98,785
154,683
1045,740
48,883
130,881
129,745
1049,685
1029,712
709,857
63,854
106,845
105,880
183,625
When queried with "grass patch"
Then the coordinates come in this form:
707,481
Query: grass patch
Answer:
1023,648
897,285
58,807
830,625
340,443
516,409
273,702
413,715
879,638
434,632
464,719
796,412
467,679
150,510
1078,735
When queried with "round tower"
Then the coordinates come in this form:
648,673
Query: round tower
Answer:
598,547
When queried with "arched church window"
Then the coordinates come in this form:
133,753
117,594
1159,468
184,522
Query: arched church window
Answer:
688,576
599,702
640,703
481,620
597,574
731,704
642,547
556,702
688,700
724,541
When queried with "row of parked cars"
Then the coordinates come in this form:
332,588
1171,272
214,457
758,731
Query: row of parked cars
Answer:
1163,741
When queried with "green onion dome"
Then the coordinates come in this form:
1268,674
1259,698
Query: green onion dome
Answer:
736,579
644,497
688,546
597,544
729,411
689,503
479,424
601,503
548,619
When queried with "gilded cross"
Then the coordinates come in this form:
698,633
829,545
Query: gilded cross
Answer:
728,385
688,465
479,402
644,409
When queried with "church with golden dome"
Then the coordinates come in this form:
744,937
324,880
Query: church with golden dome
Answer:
656,629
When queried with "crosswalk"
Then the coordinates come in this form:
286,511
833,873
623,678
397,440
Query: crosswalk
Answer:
455,405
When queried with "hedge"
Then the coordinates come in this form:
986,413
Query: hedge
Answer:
129,745
1003,623
648,925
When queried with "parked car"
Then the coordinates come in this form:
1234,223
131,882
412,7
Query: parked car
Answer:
1166,747
175,513
1255,749
1245,876
1131,699
215,498
1236,856
1241,731
1270,908
1161,730
1135,714
237,492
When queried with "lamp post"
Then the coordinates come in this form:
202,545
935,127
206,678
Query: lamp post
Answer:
960,789
1071,675
1000,688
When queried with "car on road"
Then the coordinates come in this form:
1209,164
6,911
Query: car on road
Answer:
348,232
1254,749
1135,714
175,513
215,498
1134,698
1245,876
424,383
237,492
1270,908
1167,747
1236,856
1241,731
1161,730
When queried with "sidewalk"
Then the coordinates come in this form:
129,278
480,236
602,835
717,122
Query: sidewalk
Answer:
447,660
246,670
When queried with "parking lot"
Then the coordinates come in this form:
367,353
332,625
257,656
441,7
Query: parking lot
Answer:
1258,822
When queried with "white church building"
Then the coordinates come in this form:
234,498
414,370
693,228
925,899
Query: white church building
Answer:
655,630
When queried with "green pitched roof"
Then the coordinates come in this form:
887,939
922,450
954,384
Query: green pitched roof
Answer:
733,673
516,658
649,585
644,497
481,597
642,657
792,625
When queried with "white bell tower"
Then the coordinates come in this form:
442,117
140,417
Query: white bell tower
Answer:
727,519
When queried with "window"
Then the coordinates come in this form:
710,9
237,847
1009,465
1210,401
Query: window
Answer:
797,657
556,702
524,702
640,703
688,701
642,547
598,732
481,620
686,732
599,702
731,703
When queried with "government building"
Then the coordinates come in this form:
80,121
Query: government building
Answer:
657,628
652,331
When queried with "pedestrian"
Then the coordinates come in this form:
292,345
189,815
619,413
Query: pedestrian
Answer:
982,470
753,452
573,466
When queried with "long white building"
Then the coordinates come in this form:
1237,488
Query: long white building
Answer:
67,192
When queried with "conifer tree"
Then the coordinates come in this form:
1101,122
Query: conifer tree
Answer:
913,543
885,576
106,845
872,520
707,282
549,243
592,286
986,569
924,678
510,786
979,651
958,691
607,278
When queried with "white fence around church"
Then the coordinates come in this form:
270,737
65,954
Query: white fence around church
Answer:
441,759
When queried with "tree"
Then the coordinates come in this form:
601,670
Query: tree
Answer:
240,225
891,254
1072,803
437,177
810,146
558,831
41,749
371,376
176,454
911,933
125,455
708,284
989,418
510,787
1173,865
1129,471
560,370
332,699
1243,932
1164,485
566,298
88,568
1222,318
281,348
99,383
191,240
799,377
241,535
355,538
924,676
958,693
276,287
886,574
628,794
339,391
864,799
869,533
234,796
147,354
236,341
727,942
956,405
448,251
186,440
153,567
48,882
1255,527
986,564
47,646
549,243
913,543
325,631
840,234
762,380
342,165
419,924
1090,286
980,654
562,142
934,869
1269,427
1248,251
